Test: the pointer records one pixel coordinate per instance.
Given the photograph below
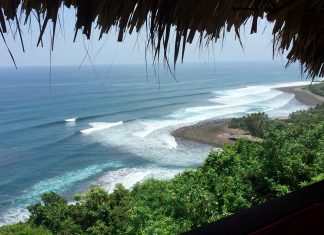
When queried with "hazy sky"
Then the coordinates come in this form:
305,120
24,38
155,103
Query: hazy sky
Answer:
131,51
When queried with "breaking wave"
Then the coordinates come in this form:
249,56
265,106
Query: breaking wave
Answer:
57,184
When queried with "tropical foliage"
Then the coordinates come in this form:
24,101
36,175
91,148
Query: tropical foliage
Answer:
256,123
318,89
290,155
23,229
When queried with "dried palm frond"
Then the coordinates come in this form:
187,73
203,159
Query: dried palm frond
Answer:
298,24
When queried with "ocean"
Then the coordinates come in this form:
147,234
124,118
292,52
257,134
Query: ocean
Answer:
104,125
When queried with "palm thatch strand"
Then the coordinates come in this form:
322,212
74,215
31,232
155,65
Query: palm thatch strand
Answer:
298,24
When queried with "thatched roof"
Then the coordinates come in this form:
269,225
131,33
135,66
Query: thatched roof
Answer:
298,24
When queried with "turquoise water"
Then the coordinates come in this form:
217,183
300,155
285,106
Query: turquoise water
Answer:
113,126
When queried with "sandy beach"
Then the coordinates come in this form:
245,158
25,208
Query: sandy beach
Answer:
303,95
217,132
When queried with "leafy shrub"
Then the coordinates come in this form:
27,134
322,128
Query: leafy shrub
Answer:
23,229
318,89
256,123
308,117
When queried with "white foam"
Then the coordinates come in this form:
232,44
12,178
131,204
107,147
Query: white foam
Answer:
61,183
245,96
14,215
126,176
71,120
98,126
151,139
302,83
56,184
130,176
159,146
150,126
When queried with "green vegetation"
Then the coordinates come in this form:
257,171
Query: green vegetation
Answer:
318,89
23,229
291,155
259,124
256,123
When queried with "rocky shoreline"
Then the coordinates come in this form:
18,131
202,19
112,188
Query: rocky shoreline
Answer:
217,132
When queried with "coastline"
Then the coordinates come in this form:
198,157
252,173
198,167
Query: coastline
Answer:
303,95
217,132
211,132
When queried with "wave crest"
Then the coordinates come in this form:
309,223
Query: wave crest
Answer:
98,126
